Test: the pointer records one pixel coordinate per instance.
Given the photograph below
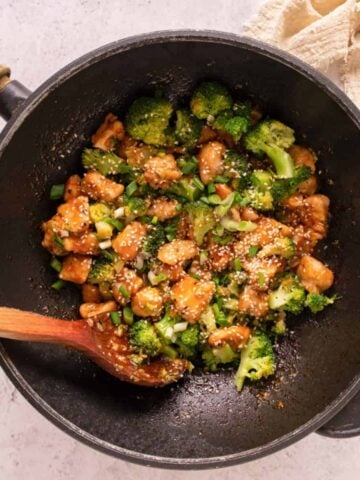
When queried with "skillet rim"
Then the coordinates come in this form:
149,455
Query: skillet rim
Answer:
30,104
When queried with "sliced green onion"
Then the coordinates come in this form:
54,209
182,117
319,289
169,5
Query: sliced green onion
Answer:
55,264
128,316
234,226
57,191
225,205
124,291
237,265
58,241
114,222
214,199
220,316
169,351
108,255
156,279
198,183
205,200
131,188
211,188
221,179
154,220
261,278
58,285
253,250
190,166
115,318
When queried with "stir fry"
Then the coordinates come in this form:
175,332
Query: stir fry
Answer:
192,230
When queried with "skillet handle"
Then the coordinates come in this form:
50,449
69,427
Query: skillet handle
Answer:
346,423
12,93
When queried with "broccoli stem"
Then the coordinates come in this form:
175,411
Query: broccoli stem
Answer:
283,163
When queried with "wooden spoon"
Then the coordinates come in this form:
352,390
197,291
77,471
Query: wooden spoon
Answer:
97,337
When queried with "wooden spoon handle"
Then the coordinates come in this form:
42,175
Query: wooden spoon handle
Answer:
21,325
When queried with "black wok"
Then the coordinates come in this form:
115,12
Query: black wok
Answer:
202,421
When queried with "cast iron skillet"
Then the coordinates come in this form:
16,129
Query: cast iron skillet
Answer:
202,421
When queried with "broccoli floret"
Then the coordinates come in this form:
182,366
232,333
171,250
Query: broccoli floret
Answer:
143,338
188,341
106,163
260,200
102,270
187,128
185,188
282,246
135,207
262,180
148,120
317,301
171,228
259,195
233,123
156,237
272,138
209,99
257,359
236,167
284,187
202,220
289,296
213,357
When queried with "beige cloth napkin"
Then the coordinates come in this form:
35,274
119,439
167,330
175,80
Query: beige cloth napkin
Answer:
323,33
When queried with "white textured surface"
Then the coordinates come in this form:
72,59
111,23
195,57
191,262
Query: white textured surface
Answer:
37,37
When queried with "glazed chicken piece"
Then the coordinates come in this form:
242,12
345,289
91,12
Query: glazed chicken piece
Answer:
252,302
88,310
75,215
163,209
211,162
267,230
98,187
86,244
147,302
236,336
72,188
312,214
177,251
127,281
72,217
261,271
220,257
90,293
128,242
109,132
314,275
161,172
75,268
136,154
303,156
191,297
